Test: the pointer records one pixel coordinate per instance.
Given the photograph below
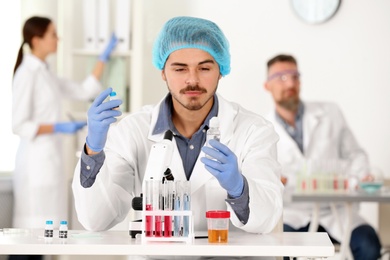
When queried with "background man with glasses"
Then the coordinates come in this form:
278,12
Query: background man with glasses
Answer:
315,131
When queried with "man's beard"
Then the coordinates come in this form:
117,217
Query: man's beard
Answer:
290,104
194,104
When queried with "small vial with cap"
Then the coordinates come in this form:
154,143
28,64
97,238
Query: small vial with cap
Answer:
213,132
113,96
49,229
63,230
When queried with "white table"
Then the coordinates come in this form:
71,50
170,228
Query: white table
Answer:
120,243
348,199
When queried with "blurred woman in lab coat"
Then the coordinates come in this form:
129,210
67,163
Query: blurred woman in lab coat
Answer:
40,185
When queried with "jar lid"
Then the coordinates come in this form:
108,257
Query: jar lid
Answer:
218,214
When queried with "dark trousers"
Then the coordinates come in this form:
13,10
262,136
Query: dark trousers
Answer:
364,244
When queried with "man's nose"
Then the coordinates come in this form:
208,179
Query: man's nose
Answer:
193,78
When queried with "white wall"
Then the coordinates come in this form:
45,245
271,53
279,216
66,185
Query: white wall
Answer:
9,47
344,60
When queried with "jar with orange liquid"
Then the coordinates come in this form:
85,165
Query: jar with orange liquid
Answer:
218,226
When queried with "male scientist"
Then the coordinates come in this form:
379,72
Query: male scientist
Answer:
315,131
192,55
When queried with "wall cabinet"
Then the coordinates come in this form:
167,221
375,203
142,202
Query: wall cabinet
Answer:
79,58
144,82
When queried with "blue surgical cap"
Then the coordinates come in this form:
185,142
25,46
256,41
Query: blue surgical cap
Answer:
189,32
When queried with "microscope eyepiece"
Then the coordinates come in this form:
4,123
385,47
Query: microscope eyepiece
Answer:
168,135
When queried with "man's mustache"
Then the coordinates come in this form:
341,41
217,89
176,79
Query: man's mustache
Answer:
193,88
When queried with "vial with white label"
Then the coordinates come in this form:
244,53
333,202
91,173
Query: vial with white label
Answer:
213,132
49,229
113,96
63,230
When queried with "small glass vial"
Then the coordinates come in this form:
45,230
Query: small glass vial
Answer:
213,132
63,230
49,229
113,96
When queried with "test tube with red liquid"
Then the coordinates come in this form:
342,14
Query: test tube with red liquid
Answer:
149,207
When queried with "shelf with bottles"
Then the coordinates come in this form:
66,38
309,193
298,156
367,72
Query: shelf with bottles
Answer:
116,74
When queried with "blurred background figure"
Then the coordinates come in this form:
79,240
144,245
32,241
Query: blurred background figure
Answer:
40,185
315,131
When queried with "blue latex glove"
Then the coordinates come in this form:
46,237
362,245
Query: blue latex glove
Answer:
105,56
224,168
69,127
100,116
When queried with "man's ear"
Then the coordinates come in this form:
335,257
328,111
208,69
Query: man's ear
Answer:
163,75
266,86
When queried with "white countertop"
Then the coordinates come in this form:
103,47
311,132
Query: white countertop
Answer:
120,243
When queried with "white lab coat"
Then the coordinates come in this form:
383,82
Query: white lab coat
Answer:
248,135
326,137
40,185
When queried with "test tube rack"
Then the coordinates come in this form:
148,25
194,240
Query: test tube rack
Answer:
166,213
152,214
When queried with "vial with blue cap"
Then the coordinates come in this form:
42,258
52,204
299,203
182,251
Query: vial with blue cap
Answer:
49,229
113,96
63,230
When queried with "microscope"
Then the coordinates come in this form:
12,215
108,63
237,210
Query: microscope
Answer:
159,160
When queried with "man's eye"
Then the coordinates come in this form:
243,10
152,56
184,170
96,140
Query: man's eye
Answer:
205,69
179,69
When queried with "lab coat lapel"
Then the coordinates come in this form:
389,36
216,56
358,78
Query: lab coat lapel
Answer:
226,114
177,164
311,120
286,144
200,176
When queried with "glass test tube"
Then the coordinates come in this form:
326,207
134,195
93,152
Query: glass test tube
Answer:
168,206
149,207
157,206
151,203
177,220
186,206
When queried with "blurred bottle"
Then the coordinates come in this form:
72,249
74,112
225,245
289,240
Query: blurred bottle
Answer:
213,132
